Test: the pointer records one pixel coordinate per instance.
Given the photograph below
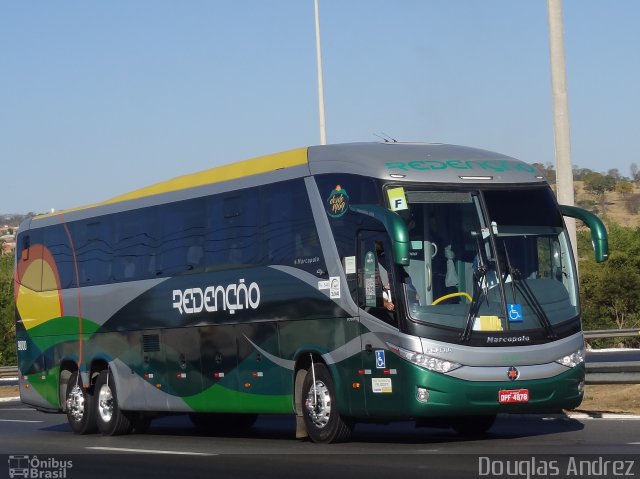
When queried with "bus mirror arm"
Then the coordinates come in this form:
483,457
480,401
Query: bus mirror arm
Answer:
599,237
395,227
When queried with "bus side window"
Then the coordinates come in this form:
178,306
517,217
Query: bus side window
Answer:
182,237
94,251
135,245
232,235
30,274
57,242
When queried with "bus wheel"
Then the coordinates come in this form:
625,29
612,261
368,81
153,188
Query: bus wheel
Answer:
321,417
473,425
111,420
79,406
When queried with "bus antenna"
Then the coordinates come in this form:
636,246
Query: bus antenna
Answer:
386,138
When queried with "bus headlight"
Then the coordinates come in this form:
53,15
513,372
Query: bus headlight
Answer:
573,359
428,362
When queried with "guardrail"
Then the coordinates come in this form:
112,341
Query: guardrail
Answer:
8,372
613,372
611,333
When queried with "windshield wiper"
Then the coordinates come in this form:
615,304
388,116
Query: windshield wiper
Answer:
474,308
529,296
479,276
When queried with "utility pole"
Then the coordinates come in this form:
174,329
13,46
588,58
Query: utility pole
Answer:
323,133
564,170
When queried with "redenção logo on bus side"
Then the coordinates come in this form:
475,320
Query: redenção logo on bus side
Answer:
497,166
230,298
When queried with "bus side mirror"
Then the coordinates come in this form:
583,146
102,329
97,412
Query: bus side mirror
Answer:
599,237
393,225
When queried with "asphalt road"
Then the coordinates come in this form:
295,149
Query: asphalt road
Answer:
172,448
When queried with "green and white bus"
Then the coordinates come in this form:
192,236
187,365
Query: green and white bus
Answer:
339,283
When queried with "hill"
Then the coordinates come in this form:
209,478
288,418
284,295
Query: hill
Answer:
615,207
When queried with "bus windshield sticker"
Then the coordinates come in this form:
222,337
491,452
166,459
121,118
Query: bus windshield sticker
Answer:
487,323
397,199
350,264
370,279
515,313
338,202
334,290
324,284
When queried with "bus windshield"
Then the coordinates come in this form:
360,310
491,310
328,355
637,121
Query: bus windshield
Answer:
494,260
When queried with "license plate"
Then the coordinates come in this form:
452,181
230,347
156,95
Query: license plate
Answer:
513,395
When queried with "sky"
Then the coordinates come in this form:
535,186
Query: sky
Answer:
100,98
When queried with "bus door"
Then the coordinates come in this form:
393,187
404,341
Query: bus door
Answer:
378,296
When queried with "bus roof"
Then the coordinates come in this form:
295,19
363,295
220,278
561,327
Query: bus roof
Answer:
415,162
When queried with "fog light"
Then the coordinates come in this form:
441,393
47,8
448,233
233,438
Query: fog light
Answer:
422,395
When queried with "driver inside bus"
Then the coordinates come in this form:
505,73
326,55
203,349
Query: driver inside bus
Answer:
387,300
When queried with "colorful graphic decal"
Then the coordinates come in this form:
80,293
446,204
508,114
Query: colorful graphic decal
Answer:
338,202
37,271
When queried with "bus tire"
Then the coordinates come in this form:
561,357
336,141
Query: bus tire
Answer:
110,419
320,408
79,406
473,426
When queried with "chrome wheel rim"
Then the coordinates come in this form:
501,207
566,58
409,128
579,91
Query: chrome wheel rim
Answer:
319,405
75,403
105,403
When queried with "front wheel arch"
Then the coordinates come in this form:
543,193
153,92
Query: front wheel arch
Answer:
320,410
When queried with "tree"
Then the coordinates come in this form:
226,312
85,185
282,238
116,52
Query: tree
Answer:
598,184
608,291
7,316
548,171
614,173
624,188
580,173
632,203
635,172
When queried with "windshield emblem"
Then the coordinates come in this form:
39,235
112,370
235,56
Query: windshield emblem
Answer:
513,373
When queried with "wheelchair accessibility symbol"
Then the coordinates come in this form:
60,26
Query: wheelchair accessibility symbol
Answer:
380,361
515,312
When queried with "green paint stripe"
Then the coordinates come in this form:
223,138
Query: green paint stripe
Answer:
220,399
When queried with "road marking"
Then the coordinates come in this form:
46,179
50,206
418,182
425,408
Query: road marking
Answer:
150,451
604,416
17,420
